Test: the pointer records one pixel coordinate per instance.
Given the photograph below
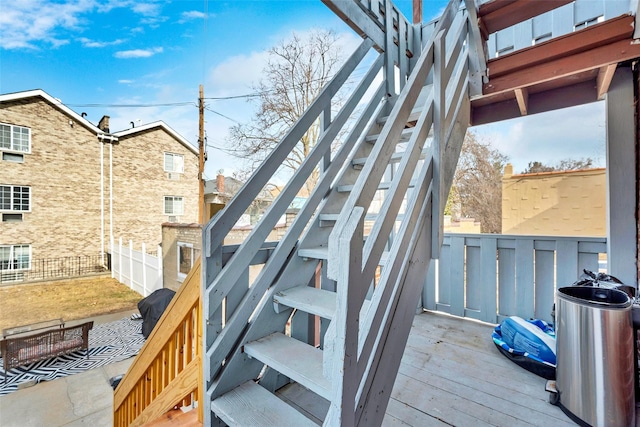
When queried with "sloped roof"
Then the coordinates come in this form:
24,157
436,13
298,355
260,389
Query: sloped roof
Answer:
158,124
56,103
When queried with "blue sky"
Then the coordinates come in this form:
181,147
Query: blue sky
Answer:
142,60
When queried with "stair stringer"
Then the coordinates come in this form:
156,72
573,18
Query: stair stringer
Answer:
387,363
238,368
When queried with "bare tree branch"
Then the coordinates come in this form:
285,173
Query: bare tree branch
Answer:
293,77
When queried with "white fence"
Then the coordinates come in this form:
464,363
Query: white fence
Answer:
140,271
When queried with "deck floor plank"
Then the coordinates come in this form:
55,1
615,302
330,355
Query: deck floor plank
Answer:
453,375
451,371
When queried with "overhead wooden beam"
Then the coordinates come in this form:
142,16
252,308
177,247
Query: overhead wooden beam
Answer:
522,96
497,15
605,75
602,56
609,31
568,96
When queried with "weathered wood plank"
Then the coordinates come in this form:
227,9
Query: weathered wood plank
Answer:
295,359
567,257
457,276
524,278
545,284
457,377
488,278
252,405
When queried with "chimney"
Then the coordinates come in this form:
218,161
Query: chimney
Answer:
508,170
103,124
220,183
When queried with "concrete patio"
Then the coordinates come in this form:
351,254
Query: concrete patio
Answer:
77,400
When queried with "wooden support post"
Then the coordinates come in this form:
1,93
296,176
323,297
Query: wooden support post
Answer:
622,192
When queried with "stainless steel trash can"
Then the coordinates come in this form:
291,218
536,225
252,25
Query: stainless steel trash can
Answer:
594,349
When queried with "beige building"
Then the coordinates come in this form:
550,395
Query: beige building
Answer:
565,203
67,185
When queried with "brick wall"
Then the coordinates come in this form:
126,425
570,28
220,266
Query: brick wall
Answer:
140,184
63,171
171,235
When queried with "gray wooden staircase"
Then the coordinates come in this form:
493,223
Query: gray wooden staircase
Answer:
358,251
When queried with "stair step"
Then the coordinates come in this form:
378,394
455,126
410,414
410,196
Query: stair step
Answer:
294,359
252,405
413,117
310,300
417,109
385,185
404,136
328,219
395,158
322,252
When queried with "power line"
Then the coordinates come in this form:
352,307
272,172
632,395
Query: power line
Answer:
168,104
221,115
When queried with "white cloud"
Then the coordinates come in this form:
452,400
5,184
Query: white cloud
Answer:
138,53
237,74
25,23
146,8
575,133
125,81
30,24
191,15
98,44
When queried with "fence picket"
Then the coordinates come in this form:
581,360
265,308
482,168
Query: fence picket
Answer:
509,276
144,270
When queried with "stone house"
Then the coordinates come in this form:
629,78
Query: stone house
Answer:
67,186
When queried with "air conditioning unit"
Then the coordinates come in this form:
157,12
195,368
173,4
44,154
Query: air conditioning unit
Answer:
173,175
173,219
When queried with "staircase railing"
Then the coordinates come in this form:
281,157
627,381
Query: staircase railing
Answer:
366,351
228,303
167,371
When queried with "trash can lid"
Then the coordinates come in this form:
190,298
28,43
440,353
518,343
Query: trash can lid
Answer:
603,297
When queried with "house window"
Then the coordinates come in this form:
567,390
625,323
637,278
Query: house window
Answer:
173,205
15,198
185,259
15,257
15,138
173,163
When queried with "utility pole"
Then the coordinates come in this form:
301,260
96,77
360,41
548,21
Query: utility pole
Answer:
417,11
201,209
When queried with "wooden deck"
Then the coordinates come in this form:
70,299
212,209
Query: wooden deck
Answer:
452,374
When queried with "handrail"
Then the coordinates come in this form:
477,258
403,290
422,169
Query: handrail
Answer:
222,277
357,382
168,368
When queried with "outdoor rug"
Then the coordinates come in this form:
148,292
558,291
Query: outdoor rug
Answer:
108,343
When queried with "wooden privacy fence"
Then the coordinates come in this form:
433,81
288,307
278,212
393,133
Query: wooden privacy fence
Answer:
139,270
167,372
490,276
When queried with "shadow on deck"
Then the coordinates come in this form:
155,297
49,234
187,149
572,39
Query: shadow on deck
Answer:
452,374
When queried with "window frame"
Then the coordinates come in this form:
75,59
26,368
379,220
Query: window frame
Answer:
174,198
12,143
173,155
12,199
179,245
12,258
